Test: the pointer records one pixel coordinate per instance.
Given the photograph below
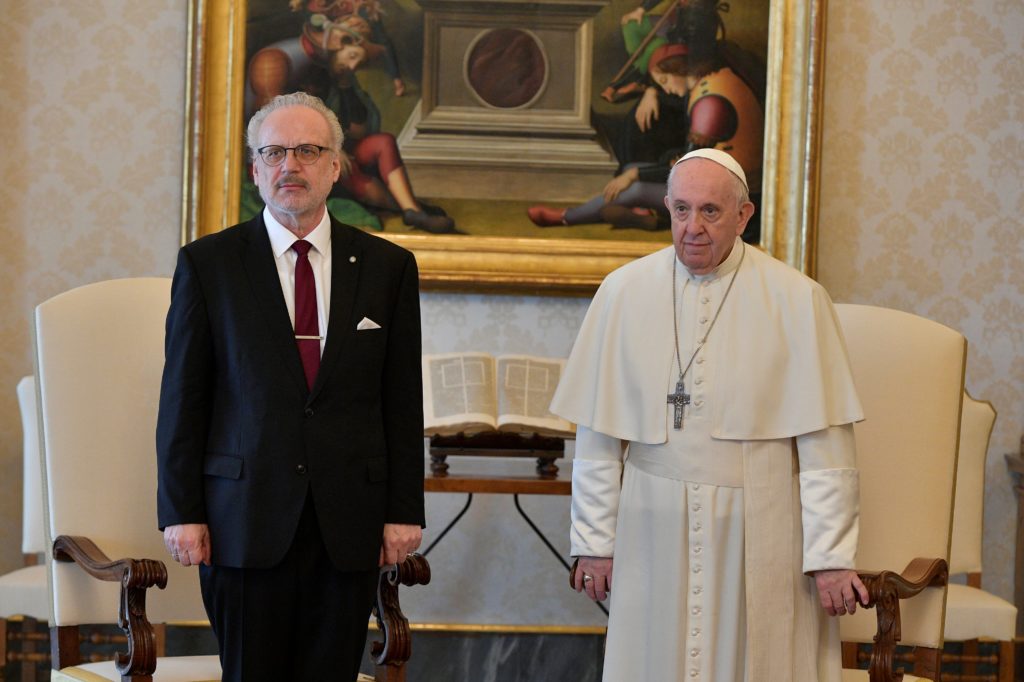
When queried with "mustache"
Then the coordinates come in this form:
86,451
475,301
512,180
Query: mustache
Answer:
291,179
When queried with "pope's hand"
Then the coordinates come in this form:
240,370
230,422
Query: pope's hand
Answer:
838,591
594,575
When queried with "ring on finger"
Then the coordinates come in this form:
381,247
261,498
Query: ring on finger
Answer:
587,578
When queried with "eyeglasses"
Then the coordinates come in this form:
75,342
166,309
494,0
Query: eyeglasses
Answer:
306,154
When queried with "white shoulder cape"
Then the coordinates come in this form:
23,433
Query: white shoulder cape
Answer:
783,371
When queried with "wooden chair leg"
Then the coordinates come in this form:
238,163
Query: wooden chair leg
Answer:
970,654
928,663
160,634
1006,663
64,649
850,655
3,641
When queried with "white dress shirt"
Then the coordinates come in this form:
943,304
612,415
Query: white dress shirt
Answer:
281,240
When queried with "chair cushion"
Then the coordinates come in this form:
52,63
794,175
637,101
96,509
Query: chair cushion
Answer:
170,669
972,613
23,593
862,676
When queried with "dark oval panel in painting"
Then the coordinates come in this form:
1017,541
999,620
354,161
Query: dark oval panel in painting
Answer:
506,68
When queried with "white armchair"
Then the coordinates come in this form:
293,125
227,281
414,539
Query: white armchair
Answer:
23,591
909,374
972,614
99,356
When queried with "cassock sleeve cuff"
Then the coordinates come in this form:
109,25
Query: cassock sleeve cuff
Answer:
595,505
830,501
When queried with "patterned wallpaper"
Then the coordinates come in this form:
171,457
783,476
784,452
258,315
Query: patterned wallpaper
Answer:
90,174
921,195
920,203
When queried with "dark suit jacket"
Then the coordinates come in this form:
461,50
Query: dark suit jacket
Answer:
241,441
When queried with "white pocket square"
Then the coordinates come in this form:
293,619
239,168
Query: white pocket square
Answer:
366,323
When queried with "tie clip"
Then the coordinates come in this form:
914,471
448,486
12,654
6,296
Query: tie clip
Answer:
299,337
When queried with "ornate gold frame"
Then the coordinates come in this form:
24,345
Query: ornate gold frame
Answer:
213,143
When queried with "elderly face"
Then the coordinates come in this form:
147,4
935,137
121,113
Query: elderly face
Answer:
295,193
706,214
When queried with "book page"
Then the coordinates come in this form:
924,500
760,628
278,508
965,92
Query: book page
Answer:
458,393
525,386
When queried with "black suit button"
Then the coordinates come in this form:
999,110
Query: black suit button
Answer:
309,412
300,469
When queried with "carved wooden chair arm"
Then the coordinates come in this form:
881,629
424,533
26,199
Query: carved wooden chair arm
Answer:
135,576
397,645
885,589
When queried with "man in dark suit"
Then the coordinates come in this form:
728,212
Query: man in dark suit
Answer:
291,460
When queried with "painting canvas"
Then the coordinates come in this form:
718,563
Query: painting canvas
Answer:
517,145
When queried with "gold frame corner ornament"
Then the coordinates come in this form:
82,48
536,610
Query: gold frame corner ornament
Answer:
215,149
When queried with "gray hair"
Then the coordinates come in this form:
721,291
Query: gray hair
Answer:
293,99
739,188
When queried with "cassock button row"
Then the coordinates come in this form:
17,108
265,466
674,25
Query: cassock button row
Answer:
695,632
705,299
698,549
700,359
697,527
696,508
694,653
694,672
695,610
696,569
697,590
300,469
703,320
698,403
699,381
696,487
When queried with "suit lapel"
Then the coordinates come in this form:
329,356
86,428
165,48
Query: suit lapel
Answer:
346,263
258,260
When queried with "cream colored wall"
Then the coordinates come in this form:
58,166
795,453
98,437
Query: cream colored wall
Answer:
921,192
90,172
921,195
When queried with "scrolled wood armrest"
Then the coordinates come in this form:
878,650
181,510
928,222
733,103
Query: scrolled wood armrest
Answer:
397,645
885,589
143,573
135,576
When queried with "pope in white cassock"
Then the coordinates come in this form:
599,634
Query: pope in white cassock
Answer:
715,464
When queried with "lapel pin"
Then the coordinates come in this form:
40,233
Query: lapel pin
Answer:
351,259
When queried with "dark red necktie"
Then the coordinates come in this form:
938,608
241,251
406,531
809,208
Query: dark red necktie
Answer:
307,328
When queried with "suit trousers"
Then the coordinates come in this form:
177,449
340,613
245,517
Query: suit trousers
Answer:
299,620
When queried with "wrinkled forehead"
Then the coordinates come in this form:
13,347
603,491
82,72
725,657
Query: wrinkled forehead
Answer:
295,125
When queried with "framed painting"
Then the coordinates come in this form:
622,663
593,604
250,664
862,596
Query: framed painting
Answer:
516,145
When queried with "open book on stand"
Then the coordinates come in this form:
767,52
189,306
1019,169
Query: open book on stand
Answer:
476,392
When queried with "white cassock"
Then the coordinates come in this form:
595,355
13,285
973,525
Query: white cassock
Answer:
713,527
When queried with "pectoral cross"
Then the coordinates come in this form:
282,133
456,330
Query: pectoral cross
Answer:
678,399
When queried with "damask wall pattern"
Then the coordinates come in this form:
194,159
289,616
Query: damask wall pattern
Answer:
922,200
90,172
920,211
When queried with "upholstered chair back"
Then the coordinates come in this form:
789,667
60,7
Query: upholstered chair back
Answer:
909,375
33,540
99,358
975,431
